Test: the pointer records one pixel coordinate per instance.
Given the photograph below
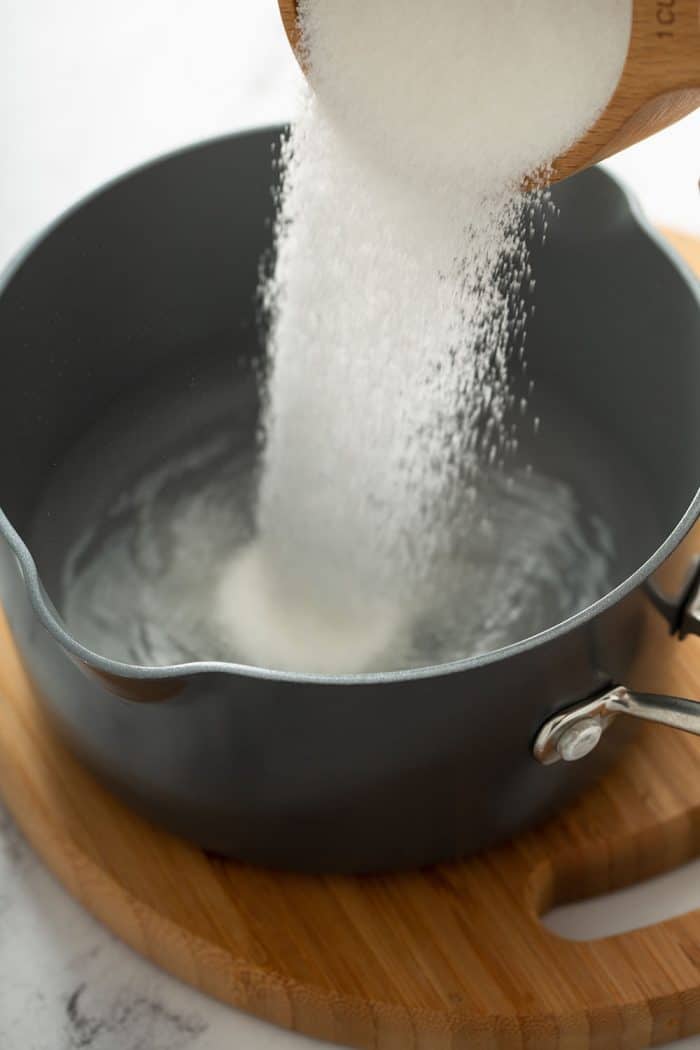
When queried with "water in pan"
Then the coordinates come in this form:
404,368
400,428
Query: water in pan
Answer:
143,584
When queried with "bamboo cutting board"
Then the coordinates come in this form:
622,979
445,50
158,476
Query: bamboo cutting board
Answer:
454,958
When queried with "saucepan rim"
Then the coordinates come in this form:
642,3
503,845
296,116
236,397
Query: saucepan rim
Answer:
51,620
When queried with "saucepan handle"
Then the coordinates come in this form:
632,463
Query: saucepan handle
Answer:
682,610
573,733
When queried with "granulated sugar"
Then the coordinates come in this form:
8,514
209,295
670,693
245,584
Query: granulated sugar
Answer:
376,391
400,243
388,523
462,91
137,584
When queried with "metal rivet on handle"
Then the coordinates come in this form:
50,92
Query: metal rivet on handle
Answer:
579,740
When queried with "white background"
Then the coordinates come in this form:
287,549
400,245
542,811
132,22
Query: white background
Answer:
89,88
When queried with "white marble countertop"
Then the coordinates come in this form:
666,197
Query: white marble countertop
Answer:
87,90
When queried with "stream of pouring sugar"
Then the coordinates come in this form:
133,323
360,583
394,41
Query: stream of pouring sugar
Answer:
384,534
387,374
398,218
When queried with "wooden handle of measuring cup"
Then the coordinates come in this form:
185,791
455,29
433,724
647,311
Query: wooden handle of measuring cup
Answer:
660,82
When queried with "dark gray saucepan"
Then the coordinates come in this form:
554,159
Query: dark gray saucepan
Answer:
144,295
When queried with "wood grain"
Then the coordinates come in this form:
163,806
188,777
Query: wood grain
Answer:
660,82
454,958
288,10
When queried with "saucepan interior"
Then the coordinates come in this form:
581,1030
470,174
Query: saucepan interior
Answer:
131,332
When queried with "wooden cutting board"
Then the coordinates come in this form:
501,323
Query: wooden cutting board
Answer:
453,958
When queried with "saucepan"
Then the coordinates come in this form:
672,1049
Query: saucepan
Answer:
143,298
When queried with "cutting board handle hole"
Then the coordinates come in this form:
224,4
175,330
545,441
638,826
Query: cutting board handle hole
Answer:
650,902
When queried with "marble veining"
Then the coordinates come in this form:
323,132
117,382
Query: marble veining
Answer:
67,984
